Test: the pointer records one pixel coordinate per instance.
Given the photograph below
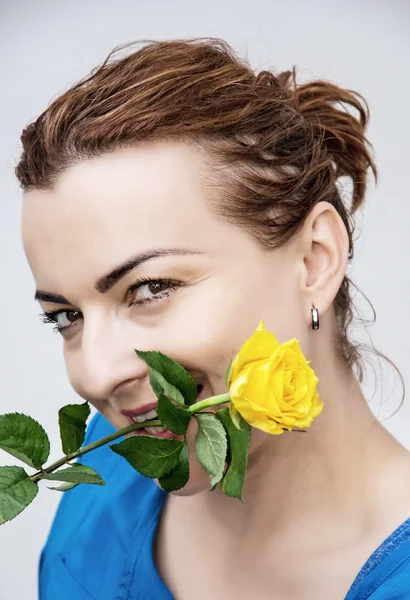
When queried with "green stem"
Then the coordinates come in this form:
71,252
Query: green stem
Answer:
213,401
93,446
194,408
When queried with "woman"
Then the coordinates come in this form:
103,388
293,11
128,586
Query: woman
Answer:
172,200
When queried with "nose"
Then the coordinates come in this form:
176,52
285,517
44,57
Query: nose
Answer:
106,364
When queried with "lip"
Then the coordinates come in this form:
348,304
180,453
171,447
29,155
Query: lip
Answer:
139,411
151,406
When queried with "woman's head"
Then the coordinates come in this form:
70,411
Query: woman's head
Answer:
181,146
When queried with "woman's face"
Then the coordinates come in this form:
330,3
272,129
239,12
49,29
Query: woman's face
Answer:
107,211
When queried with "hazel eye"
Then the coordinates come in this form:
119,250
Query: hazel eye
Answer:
154,290
63,319
66,318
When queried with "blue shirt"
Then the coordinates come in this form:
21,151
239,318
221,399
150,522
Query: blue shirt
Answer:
100,546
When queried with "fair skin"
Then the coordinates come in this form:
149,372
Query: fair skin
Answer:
315,503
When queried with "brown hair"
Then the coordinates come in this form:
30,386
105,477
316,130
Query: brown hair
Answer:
286,144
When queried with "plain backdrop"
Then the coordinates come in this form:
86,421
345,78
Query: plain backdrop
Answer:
45,46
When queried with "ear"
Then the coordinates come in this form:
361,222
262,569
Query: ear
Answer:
325,247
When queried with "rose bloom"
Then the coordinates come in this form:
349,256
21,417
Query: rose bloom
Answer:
272,385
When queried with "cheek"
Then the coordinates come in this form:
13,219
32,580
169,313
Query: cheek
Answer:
72,370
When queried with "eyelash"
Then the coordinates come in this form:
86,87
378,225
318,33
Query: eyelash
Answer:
51,316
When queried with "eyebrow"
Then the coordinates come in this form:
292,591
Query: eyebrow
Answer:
105,283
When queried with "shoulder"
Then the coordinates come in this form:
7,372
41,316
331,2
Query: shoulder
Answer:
98,531
90,503
389,579
94,521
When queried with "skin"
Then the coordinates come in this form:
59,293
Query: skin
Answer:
314,502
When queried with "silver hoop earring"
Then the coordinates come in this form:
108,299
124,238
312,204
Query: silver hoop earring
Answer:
315,317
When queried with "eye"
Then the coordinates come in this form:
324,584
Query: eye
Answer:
63,319
155,289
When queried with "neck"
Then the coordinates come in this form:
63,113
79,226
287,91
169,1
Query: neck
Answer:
334,473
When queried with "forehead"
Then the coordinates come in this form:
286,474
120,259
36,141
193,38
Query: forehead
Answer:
139,182
107,208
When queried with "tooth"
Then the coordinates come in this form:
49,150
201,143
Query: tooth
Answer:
154,430
151,414
139,418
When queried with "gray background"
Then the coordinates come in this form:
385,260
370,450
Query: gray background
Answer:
45,46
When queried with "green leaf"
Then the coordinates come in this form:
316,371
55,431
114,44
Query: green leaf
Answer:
150,456
238,449
161,386
156,380
72,421
24,438
17,491
178,477
211,446
76,473
173,372
64,487
173,418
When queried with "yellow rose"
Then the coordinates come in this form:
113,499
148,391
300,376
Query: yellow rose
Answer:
272,386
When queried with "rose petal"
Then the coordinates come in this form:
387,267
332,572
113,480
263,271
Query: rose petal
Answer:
272,386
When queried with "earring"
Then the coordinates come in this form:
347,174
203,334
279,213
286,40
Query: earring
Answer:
315,317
